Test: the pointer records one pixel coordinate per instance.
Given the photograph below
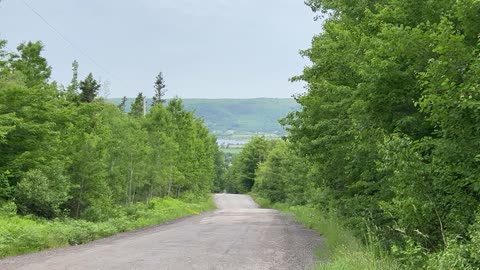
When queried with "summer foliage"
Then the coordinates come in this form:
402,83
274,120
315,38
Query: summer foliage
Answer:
388,136
65,153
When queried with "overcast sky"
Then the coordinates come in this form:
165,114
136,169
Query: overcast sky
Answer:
205,48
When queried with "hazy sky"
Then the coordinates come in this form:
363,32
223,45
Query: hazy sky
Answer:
205,48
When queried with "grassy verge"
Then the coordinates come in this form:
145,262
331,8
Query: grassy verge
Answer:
343,251
20,235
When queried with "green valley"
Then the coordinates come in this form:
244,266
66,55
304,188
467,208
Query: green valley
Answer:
237,118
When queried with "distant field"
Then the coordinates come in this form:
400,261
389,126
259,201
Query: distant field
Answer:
231,150
228,118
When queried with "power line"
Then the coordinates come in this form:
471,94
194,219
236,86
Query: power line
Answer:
6,47
68,41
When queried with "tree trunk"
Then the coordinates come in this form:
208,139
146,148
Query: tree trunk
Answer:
79,200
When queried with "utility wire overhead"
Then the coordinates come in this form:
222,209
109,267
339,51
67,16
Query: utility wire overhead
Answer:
68,41
6,47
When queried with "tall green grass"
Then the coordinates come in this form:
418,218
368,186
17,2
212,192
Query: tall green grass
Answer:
342,250
25,234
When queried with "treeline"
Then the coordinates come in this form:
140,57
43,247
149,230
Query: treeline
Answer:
67,153
388,136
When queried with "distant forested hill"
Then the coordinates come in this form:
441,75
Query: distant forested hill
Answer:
240,115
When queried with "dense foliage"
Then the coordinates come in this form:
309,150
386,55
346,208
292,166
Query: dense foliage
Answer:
67,153
240,176
388,136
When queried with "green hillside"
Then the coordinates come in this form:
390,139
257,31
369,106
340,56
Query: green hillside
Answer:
259,115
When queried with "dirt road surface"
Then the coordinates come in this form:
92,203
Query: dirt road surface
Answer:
238,235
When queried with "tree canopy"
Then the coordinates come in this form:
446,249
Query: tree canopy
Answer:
67,153
388,134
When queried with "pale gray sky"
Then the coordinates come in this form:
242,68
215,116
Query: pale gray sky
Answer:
205,48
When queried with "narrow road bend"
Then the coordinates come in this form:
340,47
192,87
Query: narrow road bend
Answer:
238,235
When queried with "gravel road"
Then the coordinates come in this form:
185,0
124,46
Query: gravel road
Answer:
238,235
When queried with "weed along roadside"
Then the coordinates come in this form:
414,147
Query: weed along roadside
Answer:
26,234
342,250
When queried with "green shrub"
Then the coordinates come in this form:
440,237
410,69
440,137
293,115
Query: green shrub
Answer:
38,194
8,209
459,253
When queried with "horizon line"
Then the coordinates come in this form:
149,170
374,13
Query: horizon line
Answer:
209,98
